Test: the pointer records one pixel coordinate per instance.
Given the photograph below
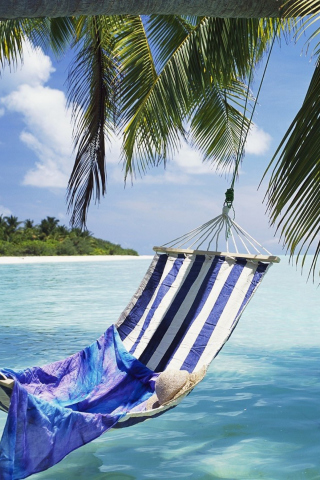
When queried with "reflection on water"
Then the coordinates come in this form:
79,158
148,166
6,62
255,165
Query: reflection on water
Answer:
256,414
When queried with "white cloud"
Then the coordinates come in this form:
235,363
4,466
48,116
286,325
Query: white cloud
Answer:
48,130
35,69
184,168
2,112
51,170
5,211
258,141
190,161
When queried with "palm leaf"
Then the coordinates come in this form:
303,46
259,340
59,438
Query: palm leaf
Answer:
165,33
51,33
218,125
92,93
11,41
210,52
294,188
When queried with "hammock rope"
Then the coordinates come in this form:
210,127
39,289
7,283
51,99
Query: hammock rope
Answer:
230,192
208,234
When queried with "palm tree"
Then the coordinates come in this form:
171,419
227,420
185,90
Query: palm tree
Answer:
155,87
12,223
28,224
233,8
126,73
2,226
163,86
11,226
48,226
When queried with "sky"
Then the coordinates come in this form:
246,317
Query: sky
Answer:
36,157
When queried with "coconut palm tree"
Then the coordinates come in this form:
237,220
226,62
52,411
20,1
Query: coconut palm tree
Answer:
150,77
48,226
11,226
163,86
28,224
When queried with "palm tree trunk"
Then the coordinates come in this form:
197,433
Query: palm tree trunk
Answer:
214,8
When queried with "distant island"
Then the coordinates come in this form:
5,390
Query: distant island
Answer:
19,239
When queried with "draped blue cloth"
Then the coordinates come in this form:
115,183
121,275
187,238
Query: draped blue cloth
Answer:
59,407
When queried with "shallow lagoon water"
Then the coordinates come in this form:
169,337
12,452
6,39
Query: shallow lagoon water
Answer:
256,415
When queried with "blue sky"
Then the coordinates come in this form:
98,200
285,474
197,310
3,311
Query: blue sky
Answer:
36,159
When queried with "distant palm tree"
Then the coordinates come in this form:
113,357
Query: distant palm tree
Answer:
62,231
11,226
3,224
28,224
48,226
12,223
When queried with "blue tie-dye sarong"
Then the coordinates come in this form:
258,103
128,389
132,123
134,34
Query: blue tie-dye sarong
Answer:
59,407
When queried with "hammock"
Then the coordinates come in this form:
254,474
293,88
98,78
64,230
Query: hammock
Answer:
185,309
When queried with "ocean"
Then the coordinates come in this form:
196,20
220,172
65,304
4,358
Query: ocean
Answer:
256,415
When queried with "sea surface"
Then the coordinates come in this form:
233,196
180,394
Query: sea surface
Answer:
256,415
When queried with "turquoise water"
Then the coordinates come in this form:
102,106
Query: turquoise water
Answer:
256,415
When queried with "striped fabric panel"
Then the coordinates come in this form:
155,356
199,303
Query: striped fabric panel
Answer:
132,314
252,275
174,340
178,310
163,301
140,316
217,294
189,309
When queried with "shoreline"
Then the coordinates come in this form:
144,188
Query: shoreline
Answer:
71,259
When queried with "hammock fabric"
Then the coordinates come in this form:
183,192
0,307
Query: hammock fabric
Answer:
180,317
186,308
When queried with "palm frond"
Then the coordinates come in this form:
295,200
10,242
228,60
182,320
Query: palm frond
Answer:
165,33
293,195
92,93
307,15
212,51
51,33
218,124
137,64
11,41
47,33
153,106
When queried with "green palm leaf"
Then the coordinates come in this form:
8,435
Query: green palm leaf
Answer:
53,33
165,33
93,81
218,125
11,41
294,188
208,53
309,12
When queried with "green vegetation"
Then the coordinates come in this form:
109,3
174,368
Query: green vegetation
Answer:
19,239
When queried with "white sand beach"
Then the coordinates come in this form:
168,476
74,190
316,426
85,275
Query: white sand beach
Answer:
71,259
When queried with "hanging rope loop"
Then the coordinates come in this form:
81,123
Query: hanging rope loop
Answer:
244,134
229,197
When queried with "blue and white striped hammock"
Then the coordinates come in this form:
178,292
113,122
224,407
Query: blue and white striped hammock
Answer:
185,309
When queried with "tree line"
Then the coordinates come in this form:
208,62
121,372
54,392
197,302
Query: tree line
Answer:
49,237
